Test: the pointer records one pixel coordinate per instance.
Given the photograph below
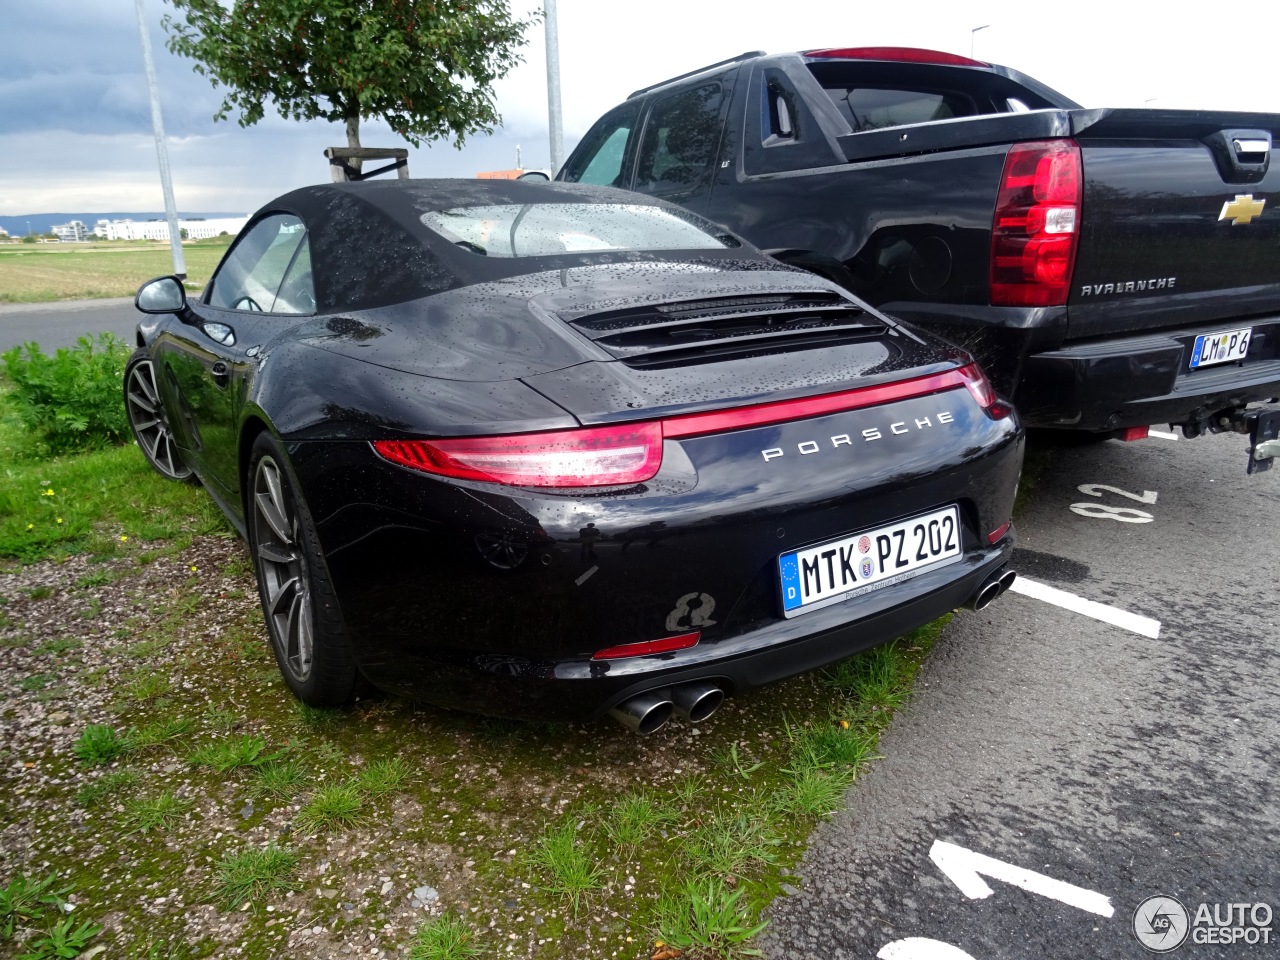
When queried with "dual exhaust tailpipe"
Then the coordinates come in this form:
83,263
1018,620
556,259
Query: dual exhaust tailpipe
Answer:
648,712
992,589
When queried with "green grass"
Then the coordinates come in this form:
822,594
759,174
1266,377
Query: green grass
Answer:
279,778
36,681
708,917
98,744
314,718
24,901
633,819
101,496
332,807
146,685
566,864
58,645
242,751
446,937
95,793
158,732
382,777
732,840
65,939
813,792
253,874
143,815
31,273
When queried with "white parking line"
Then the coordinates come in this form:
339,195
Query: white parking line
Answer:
1089,608
1162,434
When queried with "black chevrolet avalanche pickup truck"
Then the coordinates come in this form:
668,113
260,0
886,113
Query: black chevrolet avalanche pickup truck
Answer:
1111,268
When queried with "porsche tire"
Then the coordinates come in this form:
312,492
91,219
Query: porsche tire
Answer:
308,634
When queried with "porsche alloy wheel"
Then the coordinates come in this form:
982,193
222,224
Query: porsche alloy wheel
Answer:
307,633
282,569
148,419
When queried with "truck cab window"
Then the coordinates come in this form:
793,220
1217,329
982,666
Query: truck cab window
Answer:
605,150
870,108
681,137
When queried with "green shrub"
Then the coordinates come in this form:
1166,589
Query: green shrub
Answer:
72,400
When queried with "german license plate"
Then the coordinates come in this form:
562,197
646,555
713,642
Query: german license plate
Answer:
1211,348
845,568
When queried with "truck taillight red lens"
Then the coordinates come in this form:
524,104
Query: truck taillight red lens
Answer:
1034,234
632,452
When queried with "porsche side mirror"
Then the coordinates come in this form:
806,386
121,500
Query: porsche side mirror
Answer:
538,175
161,295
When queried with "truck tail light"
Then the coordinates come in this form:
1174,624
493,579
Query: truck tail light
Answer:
1036,226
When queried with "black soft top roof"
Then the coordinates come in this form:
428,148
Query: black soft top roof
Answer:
369,246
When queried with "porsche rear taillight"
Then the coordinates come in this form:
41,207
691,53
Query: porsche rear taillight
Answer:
587,457
632,452
1036,226
980,389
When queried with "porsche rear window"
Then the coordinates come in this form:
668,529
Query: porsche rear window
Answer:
551,229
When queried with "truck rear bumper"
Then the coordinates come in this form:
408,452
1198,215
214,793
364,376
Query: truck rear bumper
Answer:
1124,382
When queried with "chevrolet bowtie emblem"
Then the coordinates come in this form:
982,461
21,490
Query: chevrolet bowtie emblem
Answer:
1243,209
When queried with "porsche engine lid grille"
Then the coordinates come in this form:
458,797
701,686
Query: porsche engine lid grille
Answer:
703,331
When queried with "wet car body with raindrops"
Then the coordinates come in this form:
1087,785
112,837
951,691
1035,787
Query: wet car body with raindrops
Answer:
551,451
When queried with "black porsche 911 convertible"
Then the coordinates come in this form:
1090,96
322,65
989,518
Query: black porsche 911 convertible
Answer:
544,450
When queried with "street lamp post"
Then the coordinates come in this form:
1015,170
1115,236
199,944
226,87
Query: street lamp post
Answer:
554,113
162,151
973,38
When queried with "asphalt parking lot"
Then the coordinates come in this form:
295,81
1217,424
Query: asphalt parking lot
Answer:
54,325
1054,771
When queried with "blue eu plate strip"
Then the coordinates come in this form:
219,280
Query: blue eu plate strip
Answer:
790,571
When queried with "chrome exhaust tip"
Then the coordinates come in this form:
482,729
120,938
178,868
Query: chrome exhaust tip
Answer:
992,589
697,701
644,713
1006,579
985,596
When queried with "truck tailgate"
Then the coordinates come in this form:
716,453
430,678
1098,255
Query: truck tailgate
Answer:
1180,220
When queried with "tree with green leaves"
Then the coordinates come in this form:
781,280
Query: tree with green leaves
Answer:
425,66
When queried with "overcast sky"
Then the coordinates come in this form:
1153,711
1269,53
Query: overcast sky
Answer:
75,129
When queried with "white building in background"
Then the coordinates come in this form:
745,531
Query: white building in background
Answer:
159,229
72,232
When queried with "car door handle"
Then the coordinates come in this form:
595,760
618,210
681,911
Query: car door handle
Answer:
221,374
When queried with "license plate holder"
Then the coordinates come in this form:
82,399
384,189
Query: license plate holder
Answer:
847,567
1229,346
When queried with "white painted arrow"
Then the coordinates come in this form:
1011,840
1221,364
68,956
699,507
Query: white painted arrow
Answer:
963,867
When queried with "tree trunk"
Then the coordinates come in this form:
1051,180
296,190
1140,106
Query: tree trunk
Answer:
353,131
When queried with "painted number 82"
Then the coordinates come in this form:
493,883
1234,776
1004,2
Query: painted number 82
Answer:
1100,511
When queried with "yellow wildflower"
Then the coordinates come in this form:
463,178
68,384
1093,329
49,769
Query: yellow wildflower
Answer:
124,539
59,519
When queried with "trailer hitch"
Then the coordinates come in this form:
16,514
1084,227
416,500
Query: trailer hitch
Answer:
1264,439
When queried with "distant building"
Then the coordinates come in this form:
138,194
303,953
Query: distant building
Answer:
159,229
72,232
